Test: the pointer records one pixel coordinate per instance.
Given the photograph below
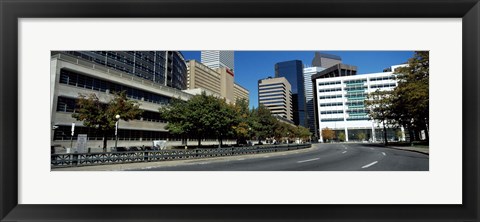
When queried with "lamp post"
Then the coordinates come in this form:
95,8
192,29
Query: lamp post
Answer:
116,130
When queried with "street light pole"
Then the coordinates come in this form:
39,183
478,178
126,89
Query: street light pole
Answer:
116,130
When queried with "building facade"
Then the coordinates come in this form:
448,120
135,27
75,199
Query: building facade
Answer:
276,95
218,81
293,72
325,60
310,109
218,59
166,68
340,104
71,76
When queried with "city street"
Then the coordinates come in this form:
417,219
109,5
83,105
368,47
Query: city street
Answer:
321,157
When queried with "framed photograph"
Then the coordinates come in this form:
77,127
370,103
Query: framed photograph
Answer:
112,48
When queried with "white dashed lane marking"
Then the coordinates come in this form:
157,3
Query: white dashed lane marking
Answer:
344,151
303,161
370,164
384,153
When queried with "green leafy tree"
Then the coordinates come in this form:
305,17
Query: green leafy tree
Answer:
379,106
411,96
263,123
243,124
101,116
202,117
328,134
341,136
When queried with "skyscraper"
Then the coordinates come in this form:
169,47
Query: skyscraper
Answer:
293,72
218,59
325,60
275,94
310,107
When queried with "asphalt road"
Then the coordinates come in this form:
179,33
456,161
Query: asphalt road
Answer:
321,157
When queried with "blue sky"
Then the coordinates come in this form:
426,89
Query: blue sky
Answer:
250,66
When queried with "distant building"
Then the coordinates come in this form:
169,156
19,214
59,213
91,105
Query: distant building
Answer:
276,95
218,81
325,60
218,59
337,70
310,109
339,103
293,72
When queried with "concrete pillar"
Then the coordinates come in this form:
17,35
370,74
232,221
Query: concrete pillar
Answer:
346,134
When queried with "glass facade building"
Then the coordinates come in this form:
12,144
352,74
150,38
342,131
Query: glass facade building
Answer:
293,72
166,68
340,105
310,109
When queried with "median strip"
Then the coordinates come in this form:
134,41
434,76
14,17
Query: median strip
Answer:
370,164
303,161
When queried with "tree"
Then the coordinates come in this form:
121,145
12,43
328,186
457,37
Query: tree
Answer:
101,116
243,126
411,96
328,134
263,123
202,116
303,133
379,106
361,136
341,136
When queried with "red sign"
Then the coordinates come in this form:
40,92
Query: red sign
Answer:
230,72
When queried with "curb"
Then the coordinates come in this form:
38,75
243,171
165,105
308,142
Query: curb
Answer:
411,150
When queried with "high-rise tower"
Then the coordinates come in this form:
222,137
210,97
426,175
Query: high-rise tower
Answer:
218,59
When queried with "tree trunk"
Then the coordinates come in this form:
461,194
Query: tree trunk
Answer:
199,142
104,142
220,142
411,134
385,134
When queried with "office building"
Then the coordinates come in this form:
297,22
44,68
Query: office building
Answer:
276,95
339,104
218,59
218,81
166,68
337,70
72,75
293,72
310,109
325,60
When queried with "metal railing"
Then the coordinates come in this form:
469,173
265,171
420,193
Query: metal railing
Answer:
89,159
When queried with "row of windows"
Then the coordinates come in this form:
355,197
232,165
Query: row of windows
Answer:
328,83
69,105
357,118
63,133
355,81
274,91
383,85
331,96
330,104
273,98
82,81
330,90
355,88
271,84
382,78
331,120
355,95
354,111
331,112
355,103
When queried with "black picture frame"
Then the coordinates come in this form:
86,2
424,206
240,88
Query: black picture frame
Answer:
11,11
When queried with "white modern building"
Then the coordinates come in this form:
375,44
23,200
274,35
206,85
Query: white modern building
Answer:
340,104
218,59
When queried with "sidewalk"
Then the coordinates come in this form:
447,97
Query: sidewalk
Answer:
424,150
